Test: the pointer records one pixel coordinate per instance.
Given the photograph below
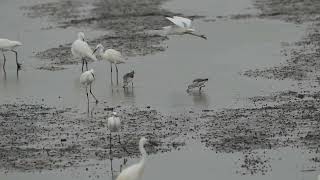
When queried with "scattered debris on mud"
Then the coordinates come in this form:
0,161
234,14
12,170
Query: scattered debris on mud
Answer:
254,163
36,137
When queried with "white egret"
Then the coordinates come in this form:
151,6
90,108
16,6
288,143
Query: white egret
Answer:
111,55
81,49
86,79
181,26
8,45
198,83
127,78
135,171
113,125
114,122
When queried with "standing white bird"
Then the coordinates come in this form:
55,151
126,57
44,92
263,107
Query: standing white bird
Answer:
8,45
81,49
86,79
114,122
181,26
135,171
111,55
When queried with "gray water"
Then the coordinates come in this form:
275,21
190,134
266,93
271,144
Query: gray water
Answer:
161,80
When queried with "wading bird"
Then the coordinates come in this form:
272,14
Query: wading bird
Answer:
81,49
113,125
8,45
198,83
86,79
181,26
127,78
135,171
111,55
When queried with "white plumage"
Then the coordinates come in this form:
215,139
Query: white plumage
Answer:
181,26
81,49
112,56
135,171
114,123
8,45
86,79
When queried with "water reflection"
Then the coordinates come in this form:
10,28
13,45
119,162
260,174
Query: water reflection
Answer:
199,98
91,111
5,74
128,92
114,172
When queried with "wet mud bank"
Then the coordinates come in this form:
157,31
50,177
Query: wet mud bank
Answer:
302,56
127,25
39,137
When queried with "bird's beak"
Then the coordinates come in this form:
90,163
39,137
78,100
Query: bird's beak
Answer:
93,76
95,50
204,37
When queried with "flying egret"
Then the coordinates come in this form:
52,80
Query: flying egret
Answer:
135,171
127,78
198,83
86,79
81,49
181,26
111,55
8,45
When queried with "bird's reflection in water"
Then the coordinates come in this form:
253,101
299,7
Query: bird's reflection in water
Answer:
91,111
5,74
199,98
120,95
114,172
128,92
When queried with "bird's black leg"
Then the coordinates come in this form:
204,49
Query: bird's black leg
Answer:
111,73
4,60
86,64
117,73
110,146
87,94
82,64
18,64
93,95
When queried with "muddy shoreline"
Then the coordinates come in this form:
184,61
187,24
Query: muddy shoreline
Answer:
282,119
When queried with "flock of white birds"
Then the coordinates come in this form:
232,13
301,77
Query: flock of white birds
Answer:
80,49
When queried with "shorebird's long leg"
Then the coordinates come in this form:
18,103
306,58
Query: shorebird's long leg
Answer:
87,93
82,64
111,73
93,95
117,73
18,64
4,60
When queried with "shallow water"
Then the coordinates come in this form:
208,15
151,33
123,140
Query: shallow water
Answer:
161,80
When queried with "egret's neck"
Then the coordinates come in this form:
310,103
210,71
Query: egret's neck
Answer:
143,153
